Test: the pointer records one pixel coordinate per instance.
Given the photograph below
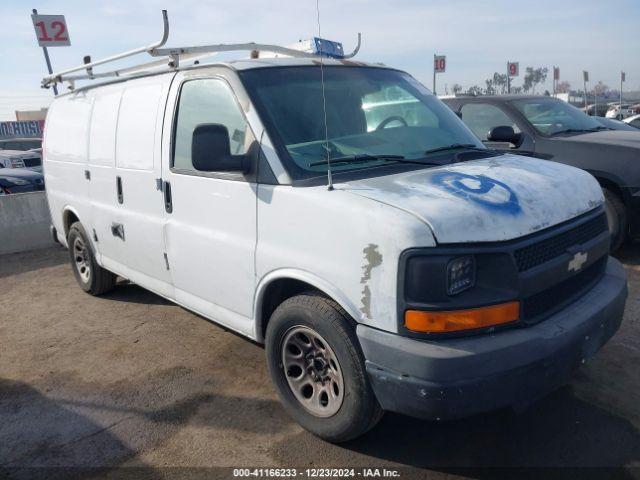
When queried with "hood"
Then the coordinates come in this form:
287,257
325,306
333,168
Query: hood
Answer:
488,200
618,138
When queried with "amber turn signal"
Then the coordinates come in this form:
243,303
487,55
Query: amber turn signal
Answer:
456,320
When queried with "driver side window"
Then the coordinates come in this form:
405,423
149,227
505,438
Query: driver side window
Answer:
207,101
482,117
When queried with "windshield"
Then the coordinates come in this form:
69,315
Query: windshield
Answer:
551,116
372,115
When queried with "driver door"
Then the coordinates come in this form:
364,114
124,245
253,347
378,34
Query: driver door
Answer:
210,227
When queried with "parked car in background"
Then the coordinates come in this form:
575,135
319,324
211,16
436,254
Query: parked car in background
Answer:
596,110
614,124
21,159
633,121
20,143
620,111
20,180
550,129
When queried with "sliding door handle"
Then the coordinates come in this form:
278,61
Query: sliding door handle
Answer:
119,189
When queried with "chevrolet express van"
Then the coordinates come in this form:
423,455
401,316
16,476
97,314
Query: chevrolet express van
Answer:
428,275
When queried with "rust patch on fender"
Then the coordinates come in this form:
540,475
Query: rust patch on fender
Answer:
373,259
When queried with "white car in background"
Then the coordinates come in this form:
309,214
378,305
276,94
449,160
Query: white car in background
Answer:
620,112
633,120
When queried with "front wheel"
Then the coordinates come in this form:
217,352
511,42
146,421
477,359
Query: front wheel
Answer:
318,369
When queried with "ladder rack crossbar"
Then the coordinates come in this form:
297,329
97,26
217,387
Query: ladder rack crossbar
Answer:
251,46
141,68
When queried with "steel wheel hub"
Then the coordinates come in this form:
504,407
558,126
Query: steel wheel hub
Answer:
81,259
312,371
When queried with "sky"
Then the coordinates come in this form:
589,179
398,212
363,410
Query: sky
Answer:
477,36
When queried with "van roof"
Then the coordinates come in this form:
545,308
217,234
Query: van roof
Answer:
249,63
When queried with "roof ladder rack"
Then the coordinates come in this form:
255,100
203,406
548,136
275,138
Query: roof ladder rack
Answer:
172,58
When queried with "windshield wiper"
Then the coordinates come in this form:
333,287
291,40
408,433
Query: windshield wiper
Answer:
455,146
365,157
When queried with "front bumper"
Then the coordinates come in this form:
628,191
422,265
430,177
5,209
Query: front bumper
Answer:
458,377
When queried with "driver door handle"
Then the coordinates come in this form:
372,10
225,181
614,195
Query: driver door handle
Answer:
168,202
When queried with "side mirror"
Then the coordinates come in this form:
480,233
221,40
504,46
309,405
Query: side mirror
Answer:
504,133
211,151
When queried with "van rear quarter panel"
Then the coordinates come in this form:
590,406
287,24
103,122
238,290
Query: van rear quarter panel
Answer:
65,156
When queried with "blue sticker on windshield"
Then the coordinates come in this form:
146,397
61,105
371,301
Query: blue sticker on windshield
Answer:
485,191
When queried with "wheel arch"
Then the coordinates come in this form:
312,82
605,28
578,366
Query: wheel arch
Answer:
277,286
609,184
69,217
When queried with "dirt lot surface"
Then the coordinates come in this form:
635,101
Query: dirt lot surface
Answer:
130,380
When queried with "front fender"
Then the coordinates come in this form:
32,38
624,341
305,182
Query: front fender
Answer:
301,275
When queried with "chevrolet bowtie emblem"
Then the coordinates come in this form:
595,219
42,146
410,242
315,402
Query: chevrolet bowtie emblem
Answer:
578,260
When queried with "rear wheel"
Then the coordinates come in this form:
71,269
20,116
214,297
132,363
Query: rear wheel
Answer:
616,218
91,277
318,369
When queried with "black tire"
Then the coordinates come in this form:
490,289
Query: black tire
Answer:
91,277
616,218
359,410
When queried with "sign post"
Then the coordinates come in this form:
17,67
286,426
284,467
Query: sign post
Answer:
585,79
556,77
513,70
51,31
439,66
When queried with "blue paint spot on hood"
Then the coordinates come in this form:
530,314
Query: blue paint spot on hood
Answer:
485,191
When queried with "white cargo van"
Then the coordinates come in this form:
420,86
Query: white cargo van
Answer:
431,276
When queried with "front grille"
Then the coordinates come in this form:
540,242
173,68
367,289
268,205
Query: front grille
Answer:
552,247
556,296
32,162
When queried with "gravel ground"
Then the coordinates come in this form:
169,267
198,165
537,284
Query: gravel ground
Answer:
130,380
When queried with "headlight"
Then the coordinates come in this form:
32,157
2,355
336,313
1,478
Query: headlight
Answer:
461,274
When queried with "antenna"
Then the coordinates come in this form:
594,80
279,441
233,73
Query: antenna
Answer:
324,104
